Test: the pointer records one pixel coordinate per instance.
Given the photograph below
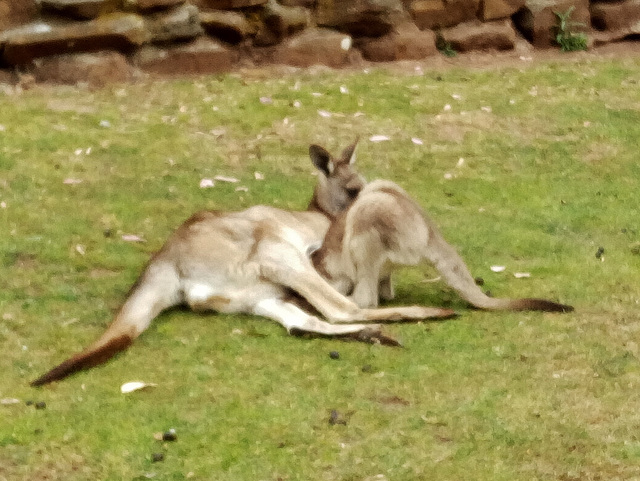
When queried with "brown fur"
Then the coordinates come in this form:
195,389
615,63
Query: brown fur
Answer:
85,360
385,228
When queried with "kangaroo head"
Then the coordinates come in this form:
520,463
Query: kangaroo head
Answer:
339,183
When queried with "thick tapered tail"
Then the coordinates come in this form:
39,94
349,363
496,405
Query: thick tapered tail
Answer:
85,360
156,290
535,305
455,272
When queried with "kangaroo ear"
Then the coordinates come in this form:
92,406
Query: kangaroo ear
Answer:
349,154
321,159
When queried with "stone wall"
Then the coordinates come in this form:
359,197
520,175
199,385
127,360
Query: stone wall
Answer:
103,40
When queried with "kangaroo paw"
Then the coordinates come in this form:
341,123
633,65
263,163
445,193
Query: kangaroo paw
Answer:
375,335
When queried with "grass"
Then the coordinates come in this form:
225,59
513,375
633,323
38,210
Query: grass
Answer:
550,174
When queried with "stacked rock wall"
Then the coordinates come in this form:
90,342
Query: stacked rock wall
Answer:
85,40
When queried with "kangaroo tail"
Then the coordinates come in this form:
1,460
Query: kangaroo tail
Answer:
156,290
86,359
526,304
455,272
534,304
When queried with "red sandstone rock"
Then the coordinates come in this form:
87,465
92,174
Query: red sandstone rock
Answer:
537,20
16,12
298,3
407,43
96,69
315,46
179,23
146,5
433,14
499,35
81,9
231,27
7,77
615,16
497,9
284,21
599,38
118,31
227,4
198,57
360,18
279,22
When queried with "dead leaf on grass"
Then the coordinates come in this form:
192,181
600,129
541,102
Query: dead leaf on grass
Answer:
218,131
432,280
72,181
521,275
223,178
379,138
132,386
132,238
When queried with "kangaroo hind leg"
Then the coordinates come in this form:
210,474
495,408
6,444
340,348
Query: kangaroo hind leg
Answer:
366,251
385,288
295,320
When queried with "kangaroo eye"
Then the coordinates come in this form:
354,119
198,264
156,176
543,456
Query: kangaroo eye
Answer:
353,193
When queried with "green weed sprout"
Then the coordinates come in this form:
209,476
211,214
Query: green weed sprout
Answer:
568,40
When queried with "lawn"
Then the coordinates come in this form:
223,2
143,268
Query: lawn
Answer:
533,167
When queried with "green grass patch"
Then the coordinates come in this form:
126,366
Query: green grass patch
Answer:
549,174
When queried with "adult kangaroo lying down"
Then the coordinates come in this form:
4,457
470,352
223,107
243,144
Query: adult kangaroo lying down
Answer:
385,228
249,262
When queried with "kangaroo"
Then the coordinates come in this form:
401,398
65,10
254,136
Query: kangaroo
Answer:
254,261
385,228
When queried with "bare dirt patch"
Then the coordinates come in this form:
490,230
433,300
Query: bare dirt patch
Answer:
522,56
